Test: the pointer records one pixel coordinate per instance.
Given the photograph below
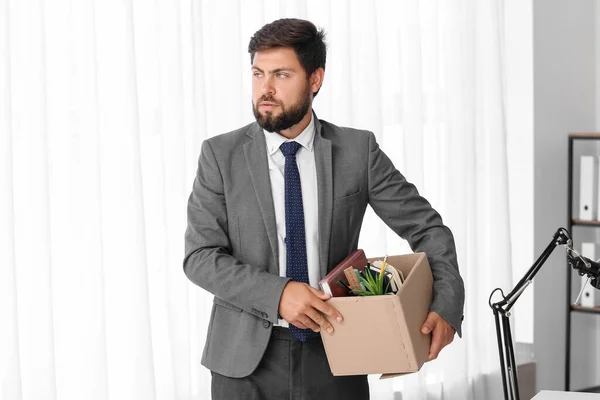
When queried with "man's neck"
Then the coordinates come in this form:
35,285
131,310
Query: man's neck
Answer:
294,131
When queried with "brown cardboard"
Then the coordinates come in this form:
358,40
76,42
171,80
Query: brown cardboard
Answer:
382,334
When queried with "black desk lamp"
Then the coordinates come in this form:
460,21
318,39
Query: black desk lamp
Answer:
583,265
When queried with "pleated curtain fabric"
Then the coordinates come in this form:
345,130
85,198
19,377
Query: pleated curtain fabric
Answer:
104,106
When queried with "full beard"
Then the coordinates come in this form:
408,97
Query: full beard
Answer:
287,118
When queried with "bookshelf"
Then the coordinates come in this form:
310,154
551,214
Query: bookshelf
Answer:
589,139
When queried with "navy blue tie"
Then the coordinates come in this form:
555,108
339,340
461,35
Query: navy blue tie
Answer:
295,237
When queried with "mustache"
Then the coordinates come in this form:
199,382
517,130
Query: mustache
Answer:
269,99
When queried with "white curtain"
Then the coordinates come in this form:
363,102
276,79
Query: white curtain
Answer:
103,107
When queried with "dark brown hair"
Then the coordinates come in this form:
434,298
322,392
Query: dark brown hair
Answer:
302,36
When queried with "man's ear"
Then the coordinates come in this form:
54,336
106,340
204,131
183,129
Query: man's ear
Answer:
316,79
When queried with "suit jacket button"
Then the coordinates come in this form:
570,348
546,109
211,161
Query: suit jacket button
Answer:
266,324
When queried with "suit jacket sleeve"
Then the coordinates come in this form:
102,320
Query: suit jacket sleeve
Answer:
398,203
208,261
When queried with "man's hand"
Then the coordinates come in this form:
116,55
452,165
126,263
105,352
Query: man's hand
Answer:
443,334
303,306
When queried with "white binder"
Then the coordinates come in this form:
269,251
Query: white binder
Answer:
587,188
590,296
597,191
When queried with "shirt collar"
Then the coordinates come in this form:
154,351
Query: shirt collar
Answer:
306,138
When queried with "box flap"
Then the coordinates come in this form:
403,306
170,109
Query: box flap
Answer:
416,296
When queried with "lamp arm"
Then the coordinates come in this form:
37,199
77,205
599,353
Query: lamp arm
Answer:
502,313
561,237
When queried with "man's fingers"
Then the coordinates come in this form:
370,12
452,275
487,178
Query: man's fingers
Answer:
308,323
307,313
300,325
320,319
442,334
437,343
430,323
328,310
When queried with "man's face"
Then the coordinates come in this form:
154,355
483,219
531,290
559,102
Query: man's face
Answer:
281,91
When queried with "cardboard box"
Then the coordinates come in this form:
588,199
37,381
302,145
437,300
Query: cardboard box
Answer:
382,334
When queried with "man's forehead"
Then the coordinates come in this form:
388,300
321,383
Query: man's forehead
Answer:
281,58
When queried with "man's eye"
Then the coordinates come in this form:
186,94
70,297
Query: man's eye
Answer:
281,75
257,74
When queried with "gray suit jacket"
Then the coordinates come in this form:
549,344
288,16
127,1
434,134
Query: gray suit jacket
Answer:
231,244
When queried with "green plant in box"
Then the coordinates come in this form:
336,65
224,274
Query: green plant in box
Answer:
374,286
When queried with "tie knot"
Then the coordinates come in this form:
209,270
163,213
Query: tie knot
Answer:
290,148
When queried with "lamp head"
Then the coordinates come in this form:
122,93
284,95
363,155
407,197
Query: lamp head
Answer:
585,266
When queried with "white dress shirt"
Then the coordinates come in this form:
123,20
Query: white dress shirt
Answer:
305,158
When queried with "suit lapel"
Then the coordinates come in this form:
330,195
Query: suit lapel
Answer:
255,152
325,196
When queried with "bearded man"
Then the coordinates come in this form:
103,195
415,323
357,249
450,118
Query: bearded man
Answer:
276,205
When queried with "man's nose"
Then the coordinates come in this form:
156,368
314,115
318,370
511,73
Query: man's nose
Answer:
268,87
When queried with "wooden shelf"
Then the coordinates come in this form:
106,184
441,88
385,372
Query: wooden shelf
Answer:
591,135
584,222
590,310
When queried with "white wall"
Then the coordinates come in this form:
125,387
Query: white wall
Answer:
565,76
